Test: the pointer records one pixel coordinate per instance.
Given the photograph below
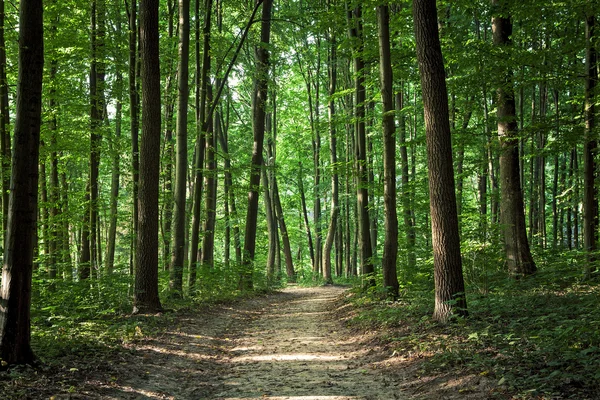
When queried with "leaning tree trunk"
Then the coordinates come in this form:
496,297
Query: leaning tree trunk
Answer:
146,298
15,299
449,285
390,244
518,256
259,105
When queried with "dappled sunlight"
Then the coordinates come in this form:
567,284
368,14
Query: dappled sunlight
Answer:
290,357
297,398
174,352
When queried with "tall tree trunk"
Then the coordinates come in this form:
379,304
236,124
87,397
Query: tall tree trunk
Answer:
114,186
366,251
134,110
169,110
4,123
201,103
259,104
146,298
390,244
181,160
271,226
335,208
210,205
590,190
97,76
15,294
518,256
449,285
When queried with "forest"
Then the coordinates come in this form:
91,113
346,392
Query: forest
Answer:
439,157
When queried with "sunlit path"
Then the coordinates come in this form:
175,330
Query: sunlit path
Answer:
296,351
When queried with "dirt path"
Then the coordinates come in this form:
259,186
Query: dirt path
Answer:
284,346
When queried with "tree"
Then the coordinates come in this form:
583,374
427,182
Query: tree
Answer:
518,256
181,159
146,298
15,296
449,285
590,217
390,245
259,104
366,250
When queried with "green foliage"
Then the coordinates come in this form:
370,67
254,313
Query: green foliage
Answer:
536,337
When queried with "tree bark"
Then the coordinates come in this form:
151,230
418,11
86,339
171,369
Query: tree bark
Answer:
181,159
366,251
590,190
259,103
518,256
390,243
4,123
15,295
450,296
146,298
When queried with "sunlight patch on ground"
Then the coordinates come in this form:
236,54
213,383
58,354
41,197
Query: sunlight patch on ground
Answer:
146,393
290,357
180,353
297,398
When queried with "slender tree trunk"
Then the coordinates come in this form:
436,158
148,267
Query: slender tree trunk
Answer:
287,249
146,298
201,103
259,103
15,295
114,187
169,110
449,285
271,226
208,242
366,251
518,256
305,214
4,124
331,231
181,160
134,103
590,190
390,244
97,77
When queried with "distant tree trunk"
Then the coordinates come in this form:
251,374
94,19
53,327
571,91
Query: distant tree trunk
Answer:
65,256
259,103
201,103
366,251
210,205
390,244
146,298
169,110
518,256
305,214
97,77
287,250
181,160
590,190
335,207
4,123
134,102
271,226
449,285
15,295
114,187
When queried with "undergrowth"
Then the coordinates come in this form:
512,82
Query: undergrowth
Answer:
538,337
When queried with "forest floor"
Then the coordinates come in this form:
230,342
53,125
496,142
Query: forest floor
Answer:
290,345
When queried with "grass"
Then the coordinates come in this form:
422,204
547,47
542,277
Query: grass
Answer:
538,337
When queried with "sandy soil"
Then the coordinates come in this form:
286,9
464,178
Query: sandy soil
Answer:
287,346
